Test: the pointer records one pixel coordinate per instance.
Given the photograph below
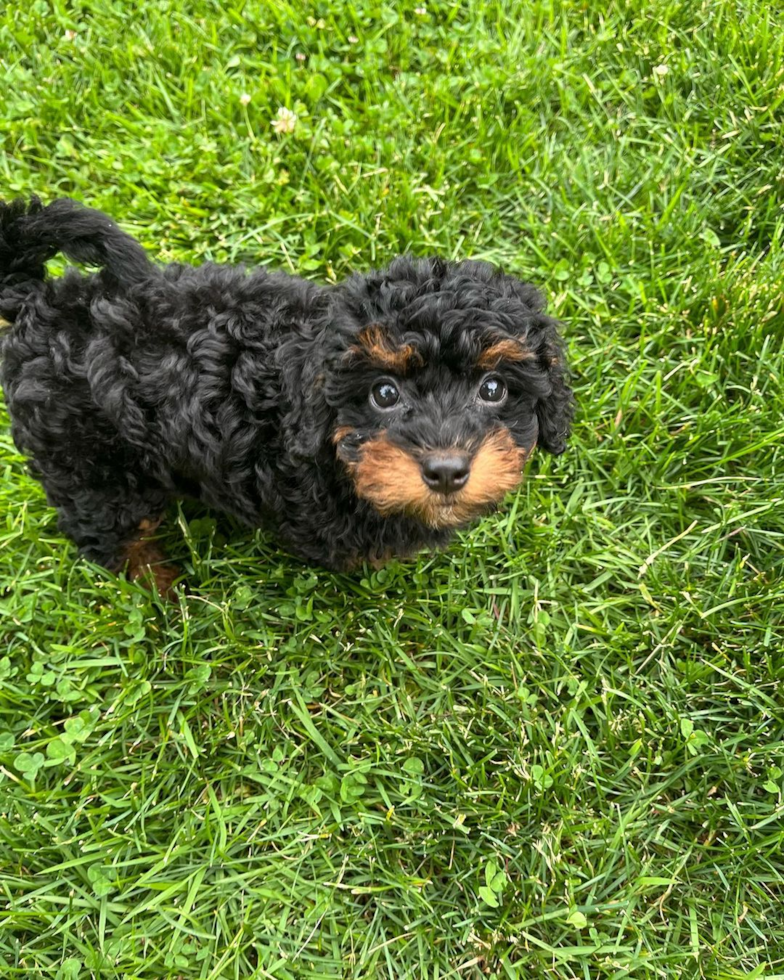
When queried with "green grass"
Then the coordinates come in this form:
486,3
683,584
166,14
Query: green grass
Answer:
556,750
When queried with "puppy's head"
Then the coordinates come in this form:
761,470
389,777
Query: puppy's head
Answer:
441,379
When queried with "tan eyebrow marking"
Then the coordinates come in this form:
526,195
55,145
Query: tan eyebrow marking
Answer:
376,346
504,350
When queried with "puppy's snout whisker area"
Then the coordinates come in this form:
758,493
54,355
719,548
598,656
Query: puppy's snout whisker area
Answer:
446,473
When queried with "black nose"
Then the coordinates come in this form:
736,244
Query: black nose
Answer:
446,474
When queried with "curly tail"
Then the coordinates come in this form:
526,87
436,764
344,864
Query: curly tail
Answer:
30,234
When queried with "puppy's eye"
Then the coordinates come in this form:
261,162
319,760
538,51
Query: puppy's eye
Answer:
492,390
384,394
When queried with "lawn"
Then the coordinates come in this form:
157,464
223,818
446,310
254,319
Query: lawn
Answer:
556,750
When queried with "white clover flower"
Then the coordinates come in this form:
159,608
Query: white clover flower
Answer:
660,70
285,121
244,98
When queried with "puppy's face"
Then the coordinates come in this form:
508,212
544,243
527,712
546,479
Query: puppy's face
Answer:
437,396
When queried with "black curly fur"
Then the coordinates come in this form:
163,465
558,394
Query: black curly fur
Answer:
138,384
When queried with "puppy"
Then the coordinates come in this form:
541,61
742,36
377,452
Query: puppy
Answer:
360,421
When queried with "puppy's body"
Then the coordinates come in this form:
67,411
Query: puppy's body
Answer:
254,391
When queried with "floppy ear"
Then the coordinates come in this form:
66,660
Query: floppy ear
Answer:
523,308
309,419
556,409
